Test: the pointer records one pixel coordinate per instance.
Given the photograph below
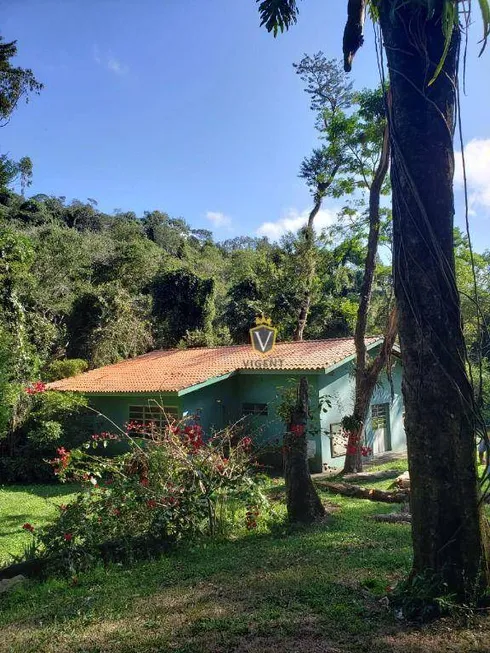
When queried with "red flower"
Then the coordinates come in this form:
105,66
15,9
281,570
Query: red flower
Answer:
35,388
68,537
246,443
298,429
151,503
144,482
28,527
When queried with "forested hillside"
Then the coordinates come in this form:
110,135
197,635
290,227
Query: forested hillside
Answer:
78,283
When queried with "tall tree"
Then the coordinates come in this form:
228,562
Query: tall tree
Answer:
330,94
370,141
353,160
182,302
422,42
439,402
15,82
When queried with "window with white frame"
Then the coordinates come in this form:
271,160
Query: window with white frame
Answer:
153,415
379,416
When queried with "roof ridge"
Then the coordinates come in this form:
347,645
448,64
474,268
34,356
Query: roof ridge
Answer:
221,347
171,370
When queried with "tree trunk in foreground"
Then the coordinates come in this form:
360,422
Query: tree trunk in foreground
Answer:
367,375
303,502
439,402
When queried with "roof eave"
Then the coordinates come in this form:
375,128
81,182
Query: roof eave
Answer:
204,384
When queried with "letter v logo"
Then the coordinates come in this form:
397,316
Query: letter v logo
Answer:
263,338
261,344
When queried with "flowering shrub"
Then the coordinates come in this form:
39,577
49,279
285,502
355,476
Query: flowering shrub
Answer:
171,485
35,388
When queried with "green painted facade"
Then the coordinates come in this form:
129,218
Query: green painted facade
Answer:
219,402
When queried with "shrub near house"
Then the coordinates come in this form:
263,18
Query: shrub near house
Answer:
48,421
170,486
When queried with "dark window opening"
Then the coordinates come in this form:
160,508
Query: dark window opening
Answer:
254,409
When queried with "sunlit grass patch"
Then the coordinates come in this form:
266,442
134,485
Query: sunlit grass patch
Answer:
34,504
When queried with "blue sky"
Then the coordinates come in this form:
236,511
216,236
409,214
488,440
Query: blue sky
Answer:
187,106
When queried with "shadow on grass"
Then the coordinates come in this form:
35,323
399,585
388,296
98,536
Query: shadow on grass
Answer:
43,491
301,589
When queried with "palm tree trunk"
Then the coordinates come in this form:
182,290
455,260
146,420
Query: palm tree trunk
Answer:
439,402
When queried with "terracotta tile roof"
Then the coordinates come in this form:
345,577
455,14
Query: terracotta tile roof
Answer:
175,369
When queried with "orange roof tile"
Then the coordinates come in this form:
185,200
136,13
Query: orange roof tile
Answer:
176,369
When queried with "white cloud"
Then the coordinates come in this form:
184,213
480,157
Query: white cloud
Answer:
218,219
108,61
477,160
294,220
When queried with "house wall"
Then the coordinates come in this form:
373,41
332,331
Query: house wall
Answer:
216,404
339,387
114,411
266,387
115,408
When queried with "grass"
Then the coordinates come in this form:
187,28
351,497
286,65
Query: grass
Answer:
34,504
315,589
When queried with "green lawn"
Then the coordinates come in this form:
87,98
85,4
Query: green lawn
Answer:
314,590
35,504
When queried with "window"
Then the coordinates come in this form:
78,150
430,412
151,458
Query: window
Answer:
338,441
379,414
254,409
152,414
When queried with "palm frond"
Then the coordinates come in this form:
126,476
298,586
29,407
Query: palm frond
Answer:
485,14
278,15
449,24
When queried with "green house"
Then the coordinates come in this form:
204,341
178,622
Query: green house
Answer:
225,385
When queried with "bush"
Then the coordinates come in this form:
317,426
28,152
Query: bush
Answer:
25,468
169,487
45,433
49,420
62,369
